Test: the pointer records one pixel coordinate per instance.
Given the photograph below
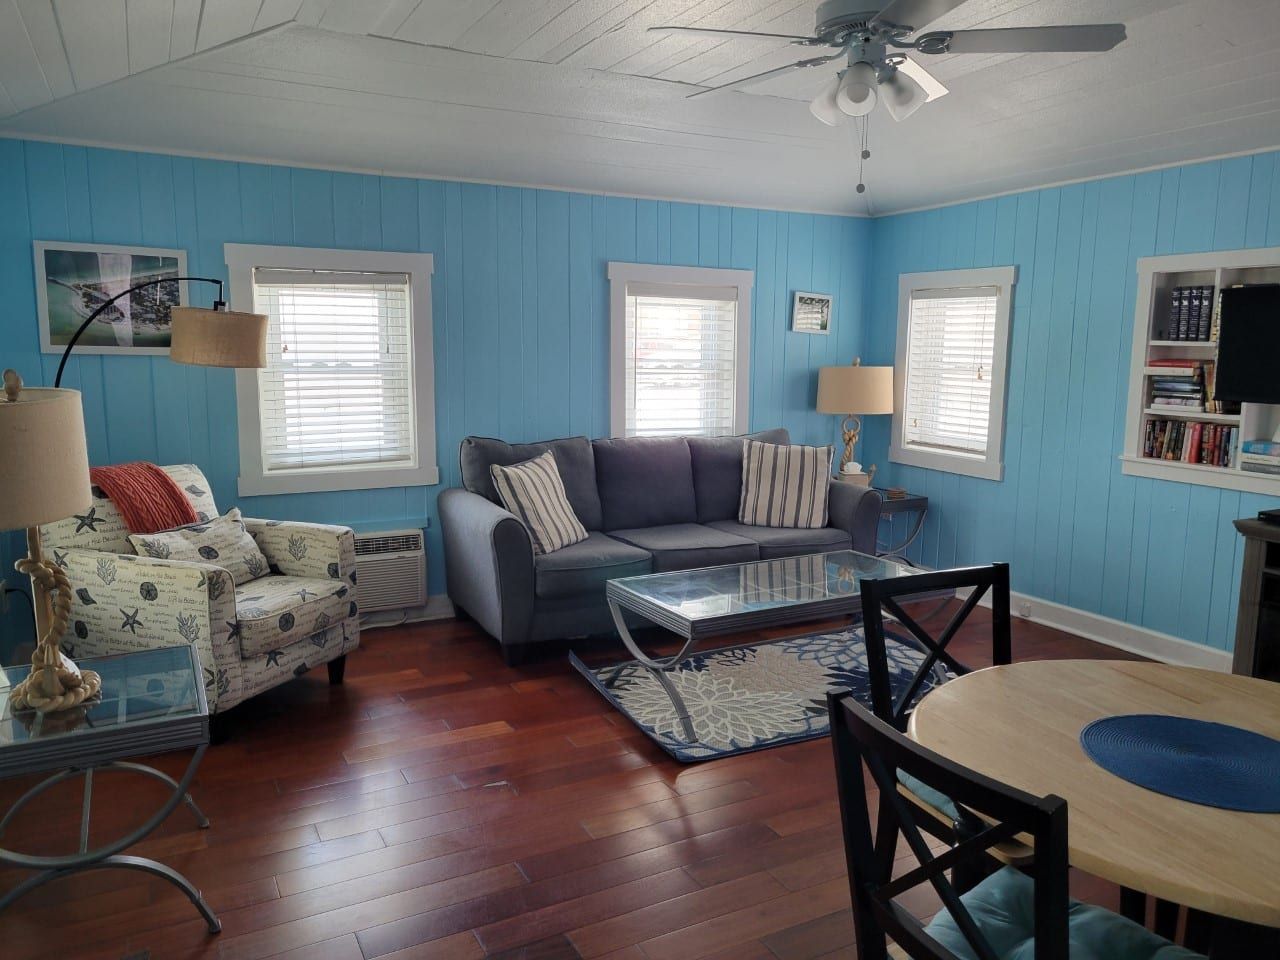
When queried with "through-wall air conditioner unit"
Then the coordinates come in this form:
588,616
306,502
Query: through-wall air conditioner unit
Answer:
391,570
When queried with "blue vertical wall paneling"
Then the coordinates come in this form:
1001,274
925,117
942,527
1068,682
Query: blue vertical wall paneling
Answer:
520,303
1076,530
519,297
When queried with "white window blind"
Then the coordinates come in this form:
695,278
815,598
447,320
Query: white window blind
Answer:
950,354
338,388
680,359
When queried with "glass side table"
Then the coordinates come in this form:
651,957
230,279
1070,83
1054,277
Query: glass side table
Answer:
152,701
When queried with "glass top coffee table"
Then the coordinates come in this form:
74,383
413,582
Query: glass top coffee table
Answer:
712,601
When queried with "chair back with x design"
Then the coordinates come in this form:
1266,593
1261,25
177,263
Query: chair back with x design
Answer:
859,738
880,597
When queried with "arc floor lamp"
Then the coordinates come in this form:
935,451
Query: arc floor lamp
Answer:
44,474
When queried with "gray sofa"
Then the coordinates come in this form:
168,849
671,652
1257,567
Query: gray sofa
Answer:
649,505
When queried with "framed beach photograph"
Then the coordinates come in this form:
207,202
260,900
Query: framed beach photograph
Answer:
811,313
74,279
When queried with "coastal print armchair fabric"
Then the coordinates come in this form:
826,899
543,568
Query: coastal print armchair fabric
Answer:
302,613
124,602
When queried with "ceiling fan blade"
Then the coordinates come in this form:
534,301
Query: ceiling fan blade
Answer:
933,87
776,71
1086,38
913,14
735,33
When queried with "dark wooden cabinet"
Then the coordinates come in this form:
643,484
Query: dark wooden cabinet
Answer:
1258,621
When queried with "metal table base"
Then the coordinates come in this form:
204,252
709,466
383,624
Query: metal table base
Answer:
108,855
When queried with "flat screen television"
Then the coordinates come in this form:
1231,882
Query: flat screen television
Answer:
1249,345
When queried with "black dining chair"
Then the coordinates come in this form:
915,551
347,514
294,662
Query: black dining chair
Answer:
1009,913
880,597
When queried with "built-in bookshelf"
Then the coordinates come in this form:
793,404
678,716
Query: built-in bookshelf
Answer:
1176,429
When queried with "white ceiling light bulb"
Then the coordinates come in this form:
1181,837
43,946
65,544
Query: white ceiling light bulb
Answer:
903,96
824,105
857,93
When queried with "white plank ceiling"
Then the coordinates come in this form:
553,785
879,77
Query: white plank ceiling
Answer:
575,93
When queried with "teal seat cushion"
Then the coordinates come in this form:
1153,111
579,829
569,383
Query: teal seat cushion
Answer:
934,798
1003,907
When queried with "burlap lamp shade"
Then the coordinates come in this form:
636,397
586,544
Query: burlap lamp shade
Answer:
855,390
218,338
44,470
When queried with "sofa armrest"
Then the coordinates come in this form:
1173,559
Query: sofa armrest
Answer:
122,602
318,550
855,510
488,560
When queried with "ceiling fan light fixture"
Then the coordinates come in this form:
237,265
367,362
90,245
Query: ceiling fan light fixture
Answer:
856,95
903,96
824,105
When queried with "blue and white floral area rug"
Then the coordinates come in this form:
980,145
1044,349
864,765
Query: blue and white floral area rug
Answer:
751,696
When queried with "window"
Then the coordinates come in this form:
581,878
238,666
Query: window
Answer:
346,399
953,337
680,350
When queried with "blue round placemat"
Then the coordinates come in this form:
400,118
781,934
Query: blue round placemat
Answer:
1207,763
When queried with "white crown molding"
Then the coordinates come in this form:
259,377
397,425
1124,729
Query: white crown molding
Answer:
409,175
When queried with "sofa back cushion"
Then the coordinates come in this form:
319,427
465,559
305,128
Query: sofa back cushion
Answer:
645,482
575,459
102,526
717,472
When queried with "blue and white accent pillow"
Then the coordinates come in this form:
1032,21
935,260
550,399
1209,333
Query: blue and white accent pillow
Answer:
222,541
784,485
534,492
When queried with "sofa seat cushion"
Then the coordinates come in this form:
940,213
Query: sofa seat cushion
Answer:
777,542
683,546
1003,908
275,611
583,567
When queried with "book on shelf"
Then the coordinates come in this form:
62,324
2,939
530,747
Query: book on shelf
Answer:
1260,463
1266,448
1191,313
1189,441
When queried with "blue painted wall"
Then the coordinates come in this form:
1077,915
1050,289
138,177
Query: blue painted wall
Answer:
521,338
1075,529
520,300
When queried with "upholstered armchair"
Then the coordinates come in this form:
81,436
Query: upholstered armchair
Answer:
300,613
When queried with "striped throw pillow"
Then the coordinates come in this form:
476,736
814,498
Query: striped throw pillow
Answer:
534,492
784,485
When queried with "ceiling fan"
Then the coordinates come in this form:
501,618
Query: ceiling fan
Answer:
873,44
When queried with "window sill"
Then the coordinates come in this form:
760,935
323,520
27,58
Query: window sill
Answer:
328,481
980,467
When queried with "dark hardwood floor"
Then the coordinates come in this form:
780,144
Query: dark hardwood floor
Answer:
442,805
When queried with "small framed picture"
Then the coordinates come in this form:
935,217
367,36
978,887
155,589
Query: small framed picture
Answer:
811,313
75,279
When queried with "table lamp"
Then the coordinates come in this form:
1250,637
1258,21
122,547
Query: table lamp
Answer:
44,476
854,391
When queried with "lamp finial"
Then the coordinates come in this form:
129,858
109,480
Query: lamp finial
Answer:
12,385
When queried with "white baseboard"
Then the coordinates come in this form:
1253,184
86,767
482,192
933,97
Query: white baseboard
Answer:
437,607
1116,633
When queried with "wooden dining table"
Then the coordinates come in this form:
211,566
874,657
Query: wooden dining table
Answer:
1021,724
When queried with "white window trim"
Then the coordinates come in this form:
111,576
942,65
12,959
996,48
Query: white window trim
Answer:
990,464
620,274
242,259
